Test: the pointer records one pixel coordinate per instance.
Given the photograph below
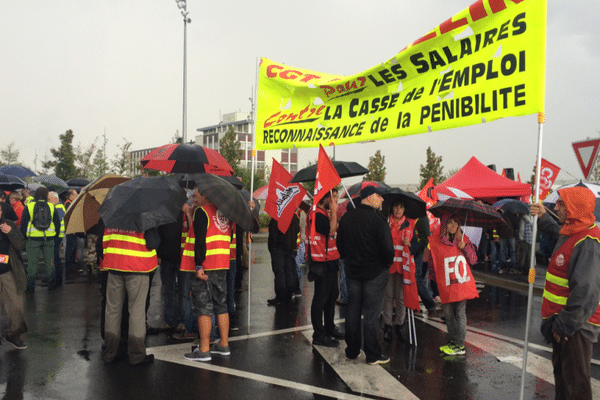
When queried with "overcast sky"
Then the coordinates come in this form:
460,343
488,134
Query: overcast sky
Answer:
116,66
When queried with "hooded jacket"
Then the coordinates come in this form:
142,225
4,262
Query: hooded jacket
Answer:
583,266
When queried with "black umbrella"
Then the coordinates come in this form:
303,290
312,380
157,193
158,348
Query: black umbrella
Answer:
142,203
354,190
187,182
255,212
471,213
78,182
10,182
343,168
414,206
227,198
51,180
512,206
17,170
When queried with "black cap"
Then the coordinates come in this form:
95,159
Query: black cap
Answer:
369,190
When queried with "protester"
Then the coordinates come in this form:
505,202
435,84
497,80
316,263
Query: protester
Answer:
60,209
572,290
13,282
455,281
14,198
128,257
71,241
40,228
7,209
365,244
231,274
210,237
508,250
323,270
402,230
26,196
524,240
282,247
418,245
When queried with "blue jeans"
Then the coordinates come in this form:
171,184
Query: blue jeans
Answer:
424,292
169,272
508,251
185,287
366,298
343,284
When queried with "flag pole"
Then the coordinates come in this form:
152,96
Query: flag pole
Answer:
532,261
253,127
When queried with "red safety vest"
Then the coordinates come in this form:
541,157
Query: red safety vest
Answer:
126,251
218,239
452,271
322,248
556,289
401,254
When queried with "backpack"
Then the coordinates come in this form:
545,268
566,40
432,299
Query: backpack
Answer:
41,216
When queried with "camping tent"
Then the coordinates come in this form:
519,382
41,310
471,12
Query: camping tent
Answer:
484,184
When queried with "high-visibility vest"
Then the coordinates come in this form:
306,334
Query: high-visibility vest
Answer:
126,251
322,248
556,288
32,231
452,271
233,244
184,233
59,206
28,199
218,239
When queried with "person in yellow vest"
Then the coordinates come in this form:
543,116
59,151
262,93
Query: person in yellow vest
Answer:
572,290
207,251
39,242
58,270
26,195
129,257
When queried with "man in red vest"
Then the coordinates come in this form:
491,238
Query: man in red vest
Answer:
572,290
211,237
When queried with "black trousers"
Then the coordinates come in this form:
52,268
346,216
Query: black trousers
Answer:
571,360
323,303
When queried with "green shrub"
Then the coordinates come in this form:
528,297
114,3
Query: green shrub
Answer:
264,219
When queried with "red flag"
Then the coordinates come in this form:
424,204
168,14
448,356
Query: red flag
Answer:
327,179
429,195
519,177
548,175
504,173
410,293
327,176
284,197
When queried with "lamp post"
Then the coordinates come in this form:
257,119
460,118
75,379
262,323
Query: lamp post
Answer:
182,6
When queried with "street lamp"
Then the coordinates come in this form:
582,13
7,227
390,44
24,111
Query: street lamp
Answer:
182,6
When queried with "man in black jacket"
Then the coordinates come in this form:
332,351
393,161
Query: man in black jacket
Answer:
365,243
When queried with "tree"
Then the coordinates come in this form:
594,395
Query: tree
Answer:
230,149
121,160
432,169
260,177
376,168
9,155
177,138
83,159
99,165
64,158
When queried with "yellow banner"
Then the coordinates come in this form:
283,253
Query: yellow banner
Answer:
485,63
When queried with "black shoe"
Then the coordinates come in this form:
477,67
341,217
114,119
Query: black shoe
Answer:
148,359
326,341
336,334
400,333
379,360
274,301
16,342
387,333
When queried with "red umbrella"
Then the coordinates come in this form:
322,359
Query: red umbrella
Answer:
186,158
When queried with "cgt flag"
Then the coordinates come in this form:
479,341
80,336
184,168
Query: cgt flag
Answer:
284,197
548,175
327,176
484,63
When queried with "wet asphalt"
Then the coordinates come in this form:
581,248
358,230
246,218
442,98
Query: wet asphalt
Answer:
273,357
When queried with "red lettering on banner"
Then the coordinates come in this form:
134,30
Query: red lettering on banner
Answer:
350,85
306,113
275,70
448,25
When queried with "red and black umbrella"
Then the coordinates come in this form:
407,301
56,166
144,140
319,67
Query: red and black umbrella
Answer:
472,213
188,159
